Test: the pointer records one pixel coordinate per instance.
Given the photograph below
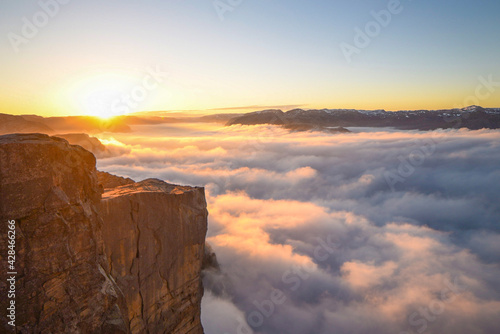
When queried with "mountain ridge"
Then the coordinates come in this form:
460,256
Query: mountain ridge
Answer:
472,117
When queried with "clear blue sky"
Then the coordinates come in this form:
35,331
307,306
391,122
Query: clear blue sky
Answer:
281,52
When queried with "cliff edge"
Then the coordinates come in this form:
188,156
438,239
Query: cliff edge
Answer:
154,234
128,261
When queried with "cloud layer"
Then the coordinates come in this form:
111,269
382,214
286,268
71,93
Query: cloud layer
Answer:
367,232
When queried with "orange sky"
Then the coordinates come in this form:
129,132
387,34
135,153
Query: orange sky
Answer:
95,58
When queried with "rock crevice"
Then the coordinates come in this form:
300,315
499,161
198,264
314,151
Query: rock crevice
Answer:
97,253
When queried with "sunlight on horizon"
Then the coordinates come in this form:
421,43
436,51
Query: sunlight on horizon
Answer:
102,94
81,61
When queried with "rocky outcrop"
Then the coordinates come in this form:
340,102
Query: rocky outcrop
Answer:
93,145
89,143
130,263
50,189
155,234
109,181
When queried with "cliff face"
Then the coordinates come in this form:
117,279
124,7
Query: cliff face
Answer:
155,235
91,144
133,265
50,189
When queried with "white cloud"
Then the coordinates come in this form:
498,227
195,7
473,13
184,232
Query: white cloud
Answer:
312,216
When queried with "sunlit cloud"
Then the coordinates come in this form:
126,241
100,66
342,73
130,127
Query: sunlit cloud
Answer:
311,215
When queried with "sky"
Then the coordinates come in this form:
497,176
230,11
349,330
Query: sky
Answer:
113,57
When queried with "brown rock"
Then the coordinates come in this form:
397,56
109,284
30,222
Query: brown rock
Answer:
50,189
155,234
89,143
110,181
129,263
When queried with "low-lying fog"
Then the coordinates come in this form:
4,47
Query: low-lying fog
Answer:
365,232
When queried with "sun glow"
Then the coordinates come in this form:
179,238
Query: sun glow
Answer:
101,94
95,104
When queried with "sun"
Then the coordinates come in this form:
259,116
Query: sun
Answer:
101,94
99,103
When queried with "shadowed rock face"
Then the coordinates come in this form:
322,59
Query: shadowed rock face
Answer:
50,189
130,267
155,235
89,143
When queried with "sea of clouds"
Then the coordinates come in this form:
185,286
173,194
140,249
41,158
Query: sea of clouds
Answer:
365,232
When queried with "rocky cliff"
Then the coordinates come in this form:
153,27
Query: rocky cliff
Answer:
128,261
154,234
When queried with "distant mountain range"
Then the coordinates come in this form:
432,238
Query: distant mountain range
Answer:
329,120
473,117
52,125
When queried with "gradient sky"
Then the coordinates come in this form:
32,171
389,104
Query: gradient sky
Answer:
280,52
